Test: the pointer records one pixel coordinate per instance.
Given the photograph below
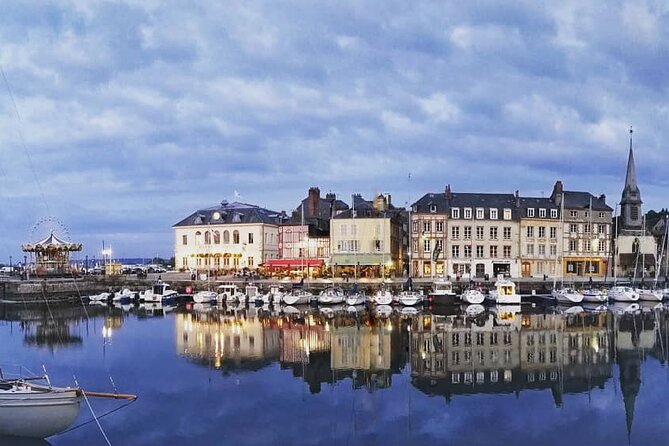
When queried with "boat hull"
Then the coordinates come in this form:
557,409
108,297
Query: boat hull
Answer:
38,416
291,299
383,298
473,297
442,298
650,295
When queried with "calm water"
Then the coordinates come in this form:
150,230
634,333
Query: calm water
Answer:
251,377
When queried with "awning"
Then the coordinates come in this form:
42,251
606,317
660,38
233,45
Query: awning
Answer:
360,259
293,263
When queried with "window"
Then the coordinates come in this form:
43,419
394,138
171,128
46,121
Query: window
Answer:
586,245
198,238
479,233
573,245
455,251
479,214
468,232
250,238
426,226
530,249
217,238
378,245
553,232
507,233
553,250
184,239
554,213
426,246
542,213
493,251
530,231
507,252
354,229
455,213
493,233
439,226
602,215
468,251
530,212
573,228
342,229
573,214
440,245
468,214
455,377
479,251
226,237
493,214
414,227
207,238
542,231
507,339
493,339
468,339
542,250
507,214
235,237
415,245
480,338
602,229
455,340
250,261
455,232
494,376
433,208
184,262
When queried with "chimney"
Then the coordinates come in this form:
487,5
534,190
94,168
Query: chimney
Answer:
556,196
388,200
517,197
602,198
313,202
447,193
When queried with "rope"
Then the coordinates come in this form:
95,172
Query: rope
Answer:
88,403
99,418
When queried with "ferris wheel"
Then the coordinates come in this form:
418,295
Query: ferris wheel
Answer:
46,226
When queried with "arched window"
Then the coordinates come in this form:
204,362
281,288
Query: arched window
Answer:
226,237
207,238
217,238
235,237
198,238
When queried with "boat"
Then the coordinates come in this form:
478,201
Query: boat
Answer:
623,294
567,296
205,297
410,298
442,292
273,296
160,292
504,292
101,297
297,297
38,411
125,295
251,292
383,297
331,295
594,296
650,295
229,292
472,296
356,297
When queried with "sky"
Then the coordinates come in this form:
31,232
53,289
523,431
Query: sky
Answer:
120,118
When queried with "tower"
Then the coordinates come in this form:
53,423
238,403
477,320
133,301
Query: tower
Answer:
631,218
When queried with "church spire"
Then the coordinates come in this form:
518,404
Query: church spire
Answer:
630,178
630,203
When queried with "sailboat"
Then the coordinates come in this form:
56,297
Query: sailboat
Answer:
645,294
384,295
564,295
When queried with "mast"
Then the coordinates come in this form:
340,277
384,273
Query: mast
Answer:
590,240
355,246
410,230
615,250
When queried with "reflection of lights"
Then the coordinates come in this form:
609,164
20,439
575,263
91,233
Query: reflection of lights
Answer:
594,343
106,332
389,326
327,326
423,355
408,327
311,320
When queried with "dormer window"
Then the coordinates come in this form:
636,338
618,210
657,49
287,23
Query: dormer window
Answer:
455,213
493,214
479,214
573,214
542,213
414,208
433,208
468,213
553,213
530,212
507,214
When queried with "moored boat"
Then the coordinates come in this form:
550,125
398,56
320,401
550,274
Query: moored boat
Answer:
623,294
297,297
472,296
567,296
442,292
331,295
356,298
650,295
160,292
229,292
504,292
383,297
205,297
410,298
594,296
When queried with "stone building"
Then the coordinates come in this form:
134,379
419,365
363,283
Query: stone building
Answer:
228,237
540,233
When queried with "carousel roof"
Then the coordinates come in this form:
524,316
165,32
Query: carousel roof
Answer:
51,242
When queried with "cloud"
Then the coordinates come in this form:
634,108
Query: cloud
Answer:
137,113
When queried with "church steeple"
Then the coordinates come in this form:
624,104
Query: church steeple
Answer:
630,211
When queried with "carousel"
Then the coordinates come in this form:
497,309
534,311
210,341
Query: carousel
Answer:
52,256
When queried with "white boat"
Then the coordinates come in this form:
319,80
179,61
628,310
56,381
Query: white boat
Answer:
357,298
37,411
251,292
229,292
474,309
472,296
331,295
101,297
158,293
594,296
623,294
124,295
650,295
442,292
205,297
504,292
297,297
274,296
567,296
383,297
410,298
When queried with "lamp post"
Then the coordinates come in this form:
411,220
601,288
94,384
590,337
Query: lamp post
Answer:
10,263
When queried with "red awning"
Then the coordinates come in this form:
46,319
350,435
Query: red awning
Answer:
293,263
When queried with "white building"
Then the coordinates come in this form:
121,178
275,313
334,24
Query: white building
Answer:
228,237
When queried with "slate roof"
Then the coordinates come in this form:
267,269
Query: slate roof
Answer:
233,213
365,209
463,200
581,200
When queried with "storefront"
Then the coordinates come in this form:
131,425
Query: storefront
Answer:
294,267
584,266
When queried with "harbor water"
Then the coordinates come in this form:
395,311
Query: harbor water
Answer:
215,375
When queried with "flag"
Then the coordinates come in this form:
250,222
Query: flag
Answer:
436,252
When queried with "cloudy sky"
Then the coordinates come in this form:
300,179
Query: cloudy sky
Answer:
134,114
